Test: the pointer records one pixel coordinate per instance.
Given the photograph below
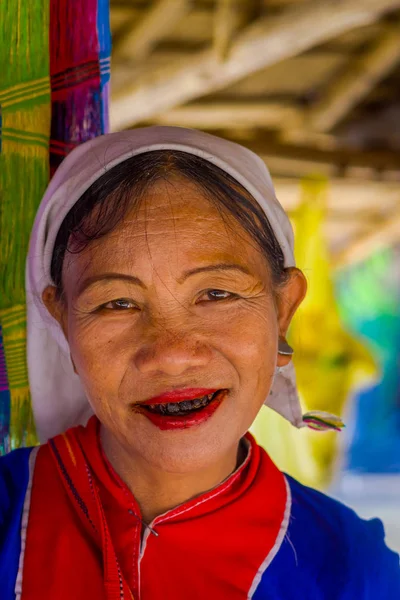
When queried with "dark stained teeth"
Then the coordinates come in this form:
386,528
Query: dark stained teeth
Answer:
180,408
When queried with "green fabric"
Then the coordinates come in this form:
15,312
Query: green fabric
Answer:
25,106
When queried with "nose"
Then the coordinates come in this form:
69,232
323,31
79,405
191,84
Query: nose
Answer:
172,354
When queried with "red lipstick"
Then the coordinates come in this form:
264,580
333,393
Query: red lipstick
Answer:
171,422
179,396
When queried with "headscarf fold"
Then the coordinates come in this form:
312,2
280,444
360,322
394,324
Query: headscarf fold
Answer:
58,399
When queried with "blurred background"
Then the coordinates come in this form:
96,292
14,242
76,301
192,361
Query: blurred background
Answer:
313,87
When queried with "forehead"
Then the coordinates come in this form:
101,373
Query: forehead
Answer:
174,222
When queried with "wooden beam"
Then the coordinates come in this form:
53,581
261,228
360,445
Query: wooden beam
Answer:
356,82
136,42
283,166
367,165
296,134
266,42
226,115
290,166
382,235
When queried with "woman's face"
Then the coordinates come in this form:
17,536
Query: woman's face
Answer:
177,297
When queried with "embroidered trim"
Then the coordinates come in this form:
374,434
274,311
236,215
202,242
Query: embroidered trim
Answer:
24,523
278,542
209,496
229,481
70,484
69,448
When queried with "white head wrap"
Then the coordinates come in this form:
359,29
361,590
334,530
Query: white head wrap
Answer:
58,398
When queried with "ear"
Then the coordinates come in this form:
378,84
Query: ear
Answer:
58,310
289,299
56,307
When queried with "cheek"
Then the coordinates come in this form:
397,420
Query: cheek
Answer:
94,349
252,335
250,344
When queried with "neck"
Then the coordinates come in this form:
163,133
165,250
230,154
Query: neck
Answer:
157,491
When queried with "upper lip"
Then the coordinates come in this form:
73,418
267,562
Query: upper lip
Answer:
180,395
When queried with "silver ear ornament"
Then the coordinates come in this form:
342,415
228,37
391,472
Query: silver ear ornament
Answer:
284,348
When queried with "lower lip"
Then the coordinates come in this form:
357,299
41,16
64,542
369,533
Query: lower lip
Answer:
185,421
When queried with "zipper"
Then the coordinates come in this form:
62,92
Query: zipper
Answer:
148,529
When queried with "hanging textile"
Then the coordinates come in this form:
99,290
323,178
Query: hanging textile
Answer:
330,362
24,172
54,65
80,69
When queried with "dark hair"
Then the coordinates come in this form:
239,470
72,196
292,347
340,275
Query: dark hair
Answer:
107,201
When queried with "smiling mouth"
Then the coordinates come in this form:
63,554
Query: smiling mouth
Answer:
181,409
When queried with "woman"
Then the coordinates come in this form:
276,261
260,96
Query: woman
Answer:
160,285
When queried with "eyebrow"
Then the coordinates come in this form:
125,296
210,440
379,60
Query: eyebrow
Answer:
136,281
218,267
109,277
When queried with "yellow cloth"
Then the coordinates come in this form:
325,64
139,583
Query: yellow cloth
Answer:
330,363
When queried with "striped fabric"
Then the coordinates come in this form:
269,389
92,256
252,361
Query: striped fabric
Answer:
55,70
14,338
75,67
24,173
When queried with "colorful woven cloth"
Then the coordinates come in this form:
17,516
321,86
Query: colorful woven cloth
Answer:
80,70
54,65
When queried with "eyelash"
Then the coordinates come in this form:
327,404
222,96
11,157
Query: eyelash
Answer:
104,306
230,296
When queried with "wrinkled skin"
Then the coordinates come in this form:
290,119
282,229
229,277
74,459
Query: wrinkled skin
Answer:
170,333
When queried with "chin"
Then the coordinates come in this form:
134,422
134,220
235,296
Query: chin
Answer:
183,450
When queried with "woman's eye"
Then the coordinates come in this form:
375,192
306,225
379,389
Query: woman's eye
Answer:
119,305
215,295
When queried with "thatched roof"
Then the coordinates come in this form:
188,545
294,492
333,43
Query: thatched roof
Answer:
313,86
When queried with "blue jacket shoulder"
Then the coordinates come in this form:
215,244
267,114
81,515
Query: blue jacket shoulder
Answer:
14,478
330,553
